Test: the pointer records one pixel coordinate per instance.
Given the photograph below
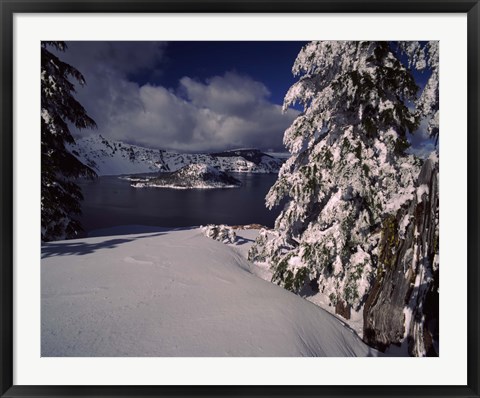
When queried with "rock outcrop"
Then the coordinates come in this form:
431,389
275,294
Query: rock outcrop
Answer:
402,306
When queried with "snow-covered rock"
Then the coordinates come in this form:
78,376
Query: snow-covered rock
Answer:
192,176
108,157
174,293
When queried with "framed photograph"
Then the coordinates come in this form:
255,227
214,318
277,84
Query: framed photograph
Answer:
239,198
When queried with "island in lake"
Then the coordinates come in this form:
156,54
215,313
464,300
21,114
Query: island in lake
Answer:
192,176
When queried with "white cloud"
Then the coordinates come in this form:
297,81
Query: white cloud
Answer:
230,93
223,112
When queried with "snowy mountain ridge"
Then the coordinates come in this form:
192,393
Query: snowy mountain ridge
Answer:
108,157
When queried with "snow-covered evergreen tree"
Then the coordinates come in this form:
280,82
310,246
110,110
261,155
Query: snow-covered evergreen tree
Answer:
60,195
348,169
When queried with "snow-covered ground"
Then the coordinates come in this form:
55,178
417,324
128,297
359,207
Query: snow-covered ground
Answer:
145,291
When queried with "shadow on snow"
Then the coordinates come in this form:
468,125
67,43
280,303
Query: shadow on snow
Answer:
81,248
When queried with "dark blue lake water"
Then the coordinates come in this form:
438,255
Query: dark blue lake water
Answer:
110,201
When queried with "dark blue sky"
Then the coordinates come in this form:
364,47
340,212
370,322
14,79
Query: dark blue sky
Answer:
265,61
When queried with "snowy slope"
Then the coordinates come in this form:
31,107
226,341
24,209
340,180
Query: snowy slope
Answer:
174,293
109,157
264,271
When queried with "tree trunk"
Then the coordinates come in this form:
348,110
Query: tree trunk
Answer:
402,307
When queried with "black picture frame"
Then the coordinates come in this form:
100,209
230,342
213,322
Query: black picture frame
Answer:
10,7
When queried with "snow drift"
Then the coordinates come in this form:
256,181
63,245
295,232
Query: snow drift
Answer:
175,293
